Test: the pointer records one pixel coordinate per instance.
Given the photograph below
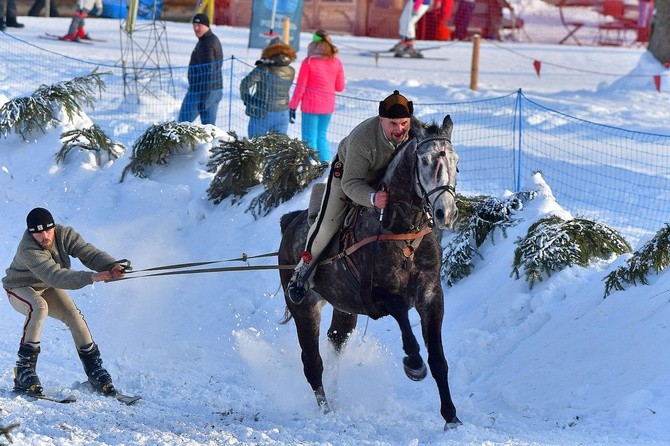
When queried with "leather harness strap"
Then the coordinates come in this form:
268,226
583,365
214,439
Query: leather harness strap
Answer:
373,238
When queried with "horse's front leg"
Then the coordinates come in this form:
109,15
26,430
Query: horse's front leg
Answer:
307,318
431,311
341,327
395,305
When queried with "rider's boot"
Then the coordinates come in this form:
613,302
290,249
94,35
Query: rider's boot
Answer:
99,378
297,286
25,377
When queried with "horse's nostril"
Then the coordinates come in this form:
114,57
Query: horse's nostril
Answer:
439,214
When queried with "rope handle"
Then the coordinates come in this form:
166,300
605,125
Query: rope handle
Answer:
128,269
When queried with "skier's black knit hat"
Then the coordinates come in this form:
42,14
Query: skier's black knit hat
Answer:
39,219
203,19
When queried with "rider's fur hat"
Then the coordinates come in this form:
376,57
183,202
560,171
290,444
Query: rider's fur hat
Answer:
396,106
39,219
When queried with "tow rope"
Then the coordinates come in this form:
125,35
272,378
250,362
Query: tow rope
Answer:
189,268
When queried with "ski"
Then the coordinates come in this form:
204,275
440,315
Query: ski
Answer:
42,396
60,38
92,39
425,48
128,400
386,54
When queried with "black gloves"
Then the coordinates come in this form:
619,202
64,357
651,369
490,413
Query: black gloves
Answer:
291,115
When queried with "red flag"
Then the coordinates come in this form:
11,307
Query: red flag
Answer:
537,64
657,82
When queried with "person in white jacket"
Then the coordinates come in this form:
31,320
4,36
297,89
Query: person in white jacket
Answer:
413,12
84,7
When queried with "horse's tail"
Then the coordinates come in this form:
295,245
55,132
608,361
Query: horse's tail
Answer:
287,316
286,219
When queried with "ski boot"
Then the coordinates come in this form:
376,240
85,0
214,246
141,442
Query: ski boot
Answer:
69,37
98,377
409,50
83,35
25,377
400,45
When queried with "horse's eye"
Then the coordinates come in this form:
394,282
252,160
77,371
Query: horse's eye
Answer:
424,161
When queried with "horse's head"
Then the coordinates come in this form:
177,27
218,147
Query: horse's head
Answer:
436,170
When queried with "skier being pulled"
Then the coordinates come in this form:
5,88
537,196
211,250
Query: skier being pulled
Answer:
410,16
84,7
34,283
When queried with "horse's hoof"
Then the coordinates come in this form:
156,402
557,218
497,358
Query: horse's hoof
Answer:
415,372
453,424
321,400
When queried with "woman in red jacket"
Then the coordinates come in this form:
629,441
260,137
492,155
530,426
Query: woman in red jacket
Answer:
321,75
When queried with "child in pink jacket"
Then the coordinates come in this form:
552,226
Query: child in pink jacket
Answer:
321,75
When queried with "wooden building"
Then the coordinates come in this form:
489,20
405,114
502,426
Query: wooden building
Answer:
376,18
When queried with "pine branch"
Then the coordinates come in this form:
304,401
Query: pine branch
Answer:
288,170
160,142
37,112
238,166
653,256
89,139
5,431
478,218
552,244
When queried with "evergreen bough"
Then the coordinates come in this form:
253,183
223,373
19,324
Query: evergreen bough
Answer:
25,115
284,166
91,139
478,217
5,431
553,244
161,141
238,165
654,255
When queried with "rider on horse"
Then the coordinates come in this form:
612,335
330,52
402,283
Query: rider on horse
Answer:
361,160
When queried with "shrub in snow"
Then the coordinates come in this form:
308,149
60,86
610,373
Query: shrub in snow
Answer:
478,217
28,114
283,165
654,255
237,166
91,139
553,244
160,141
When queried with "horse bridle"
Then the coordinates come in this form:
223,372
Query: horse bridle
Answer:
439,189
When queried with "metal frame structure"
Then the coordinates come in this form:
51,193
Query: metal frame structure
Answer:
145,55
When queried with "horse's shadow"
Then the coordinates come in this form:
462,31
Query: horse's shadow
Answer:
398,268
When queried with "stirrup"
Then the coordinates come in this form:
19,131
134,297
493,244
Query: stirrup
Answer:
296,291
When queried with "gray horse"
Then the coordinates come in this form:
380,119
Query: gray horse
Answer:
384,266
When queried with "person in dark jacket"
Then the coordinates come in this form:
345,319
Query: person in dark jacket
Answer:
265,91
35,282
37,7
8,15
205,82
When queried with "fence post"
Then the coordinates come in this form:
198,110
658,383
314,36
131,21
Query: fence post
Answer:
474,68
286,30
230,92
519,102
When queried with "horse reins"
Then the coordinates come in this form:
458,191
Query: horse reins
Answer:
188,268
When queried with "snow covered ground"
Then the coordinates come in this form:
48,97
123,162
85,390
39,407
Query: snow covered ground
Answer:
557,365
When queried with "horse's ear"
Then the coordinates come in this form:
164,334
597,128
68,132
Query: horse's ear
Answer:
448,125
